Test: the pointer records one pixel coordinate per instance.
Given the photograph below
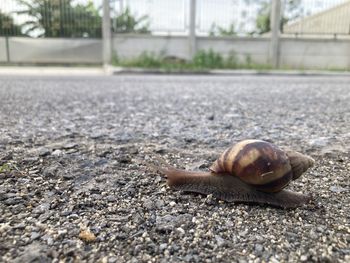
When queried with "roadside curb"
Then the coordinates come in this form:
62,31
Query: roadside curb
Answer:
111,70
51,71
224,72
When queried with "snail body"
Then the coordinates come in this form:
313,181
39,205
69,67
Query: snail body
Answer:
249,171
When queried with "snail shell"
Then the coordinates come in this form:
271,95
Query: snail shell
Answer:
249,171
261,164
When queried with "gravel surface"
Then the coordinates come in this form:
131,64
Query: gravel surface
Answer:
76,184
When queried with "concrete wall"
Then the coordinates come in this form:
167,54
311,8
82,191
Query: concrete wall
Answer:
315,53
129,46
300,53
294,52
256,48
53,50
3,56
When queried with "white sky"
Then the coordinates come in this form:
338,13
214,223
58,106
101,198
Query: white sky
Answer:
172,15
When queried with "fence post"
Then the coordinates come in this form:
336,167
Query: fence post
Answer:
8,60
192,29
106,33
275,21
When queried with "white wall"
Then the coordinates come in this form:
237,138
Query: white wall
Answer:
3,56
315,53
53,50
129,46
256,48
294,52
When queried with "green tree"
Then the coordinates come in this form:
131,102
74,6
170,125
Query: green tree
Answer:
60,18
216,30
8,27
263,20
127,23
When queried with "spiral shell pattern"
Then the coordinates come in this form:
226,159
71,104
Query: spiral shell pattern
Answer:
257,163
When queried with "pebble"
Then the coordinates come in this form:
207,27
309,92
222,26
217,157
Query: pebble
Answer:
40,209
219,240
34,235
337,189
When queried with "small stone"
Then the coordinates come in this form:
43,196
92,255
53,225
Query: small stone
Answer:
13,201
337,189
42,152
87,236
159,204
219,240
148,203
111,198
69,145
188,258
57,153
160,149
19,226
34,235
243,233
163,246
258,249
49,241
180,231
319,142
189,139
68,176
40,209
112,259
124,159
303,258
32,253
61,233
73,216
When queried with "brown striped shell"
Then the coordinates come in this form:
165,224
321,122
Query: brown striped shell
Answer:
262,164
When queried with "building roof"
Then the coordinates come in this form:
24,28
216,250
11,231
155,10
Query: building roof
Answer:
335,20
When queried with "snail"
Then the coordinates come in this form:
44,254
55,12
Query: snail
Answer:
252,171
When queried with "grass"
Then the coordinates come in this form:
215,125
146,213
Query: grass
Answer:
5,168
202,61
8,167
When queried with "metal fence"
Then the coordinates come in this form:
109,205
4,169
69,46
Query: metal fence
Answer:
79,18
50,18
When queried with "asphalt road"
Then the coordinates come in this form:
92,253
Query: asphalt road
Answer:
76,181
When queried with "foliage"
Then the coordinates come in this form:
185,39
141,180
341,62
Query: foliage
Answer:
216,30
145,60
203,60
5,168
208,59
232,60
263,19
8,27
127,23
60,18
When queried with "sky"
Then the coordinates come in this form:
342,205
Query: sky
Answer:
172,15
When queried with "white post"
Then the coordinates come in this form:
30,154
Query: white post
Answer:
121,6
192,29
275,20
106,33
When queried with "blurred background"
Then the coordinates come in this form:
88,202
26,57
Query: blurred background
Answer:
178,34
